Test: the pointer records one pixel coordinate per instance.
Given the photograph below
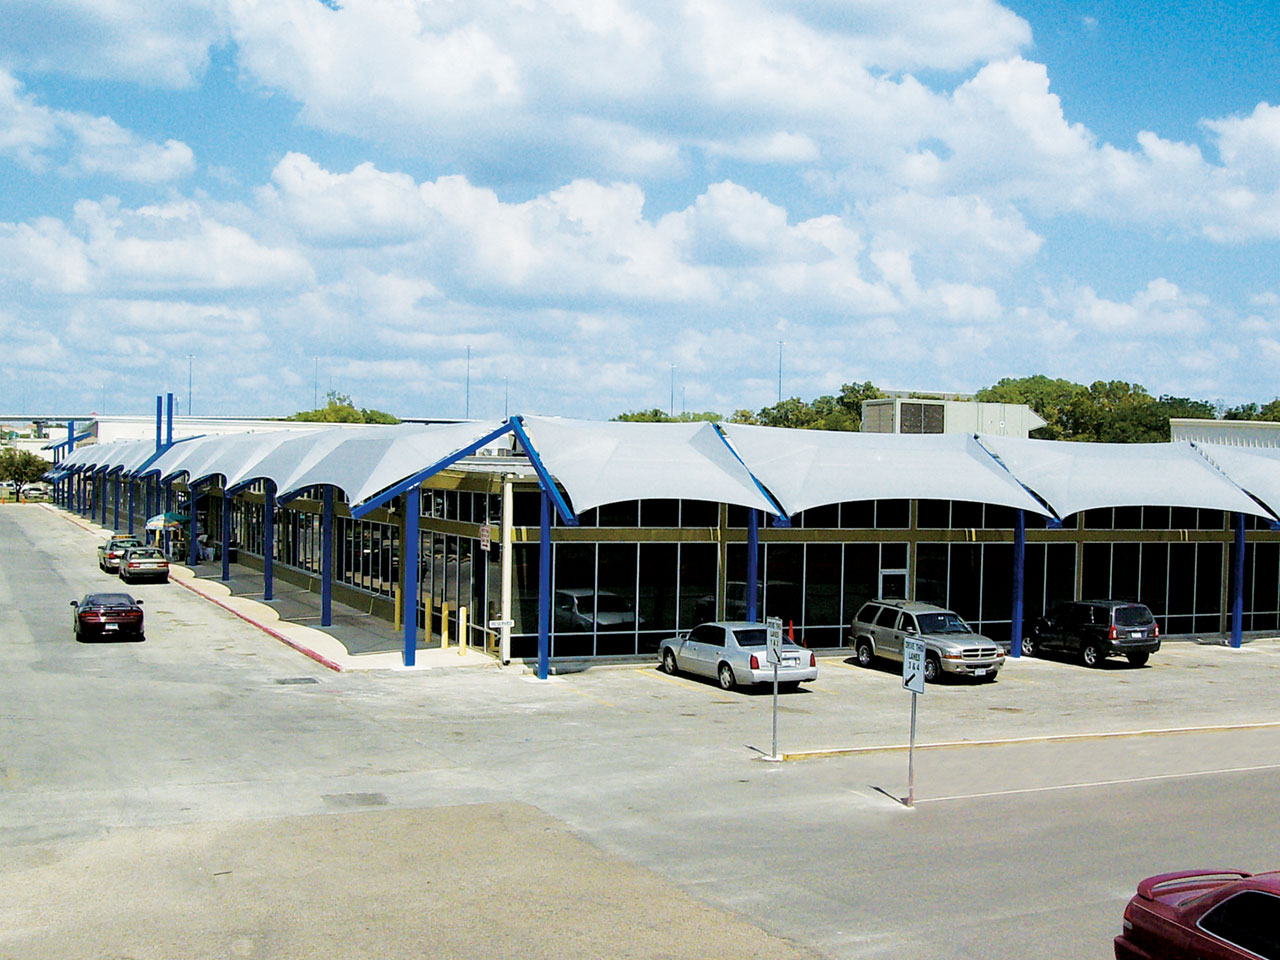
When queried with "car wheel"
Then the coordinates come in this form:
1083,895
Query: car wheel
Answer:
1138,659
866,656
1091,655
1029,646
932,668
669,661
725,675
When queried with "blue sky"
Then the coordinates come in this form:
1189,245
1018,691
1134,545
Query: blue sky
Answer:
587,192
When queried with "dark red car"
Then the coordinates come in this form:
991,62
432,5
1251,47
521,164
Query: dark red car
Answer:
108,616
1203,915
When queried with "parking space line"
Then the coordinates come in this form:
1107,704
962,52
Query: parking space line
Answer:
1098,783
687,684
589,696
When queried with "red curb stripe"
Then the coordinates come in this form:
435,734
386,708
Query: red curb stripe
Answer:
305,651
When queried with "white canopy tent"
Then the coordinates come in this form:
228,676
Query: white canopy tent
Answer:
808,468
600,463
1255,470
1072,477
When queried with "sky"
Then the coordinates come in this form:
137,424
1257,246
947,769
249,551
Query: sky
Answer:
615,205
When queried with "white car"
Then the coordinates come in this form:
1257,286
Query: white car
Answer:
733,652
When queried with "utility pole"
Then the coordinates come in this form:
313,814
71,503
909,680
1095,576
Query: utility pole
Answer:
190,357
315,385
780,343
506,401
467,414
671,409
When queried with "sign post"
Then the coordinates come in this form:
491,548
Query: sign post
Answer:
773,635
913,680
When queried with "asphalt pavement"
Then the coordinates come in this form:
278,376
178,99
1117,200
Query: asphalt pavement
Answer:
613,812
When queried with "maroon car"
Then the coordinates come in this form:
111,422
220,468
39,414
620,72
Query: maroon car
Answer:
108,616
1203,915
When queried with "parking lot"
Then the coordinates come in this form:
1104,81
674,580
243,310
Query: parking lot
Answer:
248,802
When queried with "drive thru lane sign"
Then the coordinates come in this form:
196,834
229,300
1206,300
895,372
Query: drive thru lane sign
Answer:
773,633
913,665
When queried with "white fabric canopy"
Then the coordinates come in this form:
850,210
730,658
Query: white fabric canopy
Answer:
808,468
607,462
1254,469
1072,477
364,463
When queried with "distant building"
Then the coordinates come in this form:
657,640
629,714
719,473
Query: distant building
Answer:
943,413
1231,433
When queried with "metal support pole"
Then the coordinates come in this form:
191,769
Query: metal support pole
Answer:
226,536
1019,579
504,650
1237,587
752,585
409,557
115,491
268,540
159,421
102,483
193,545
168,432
326,557
544,589
911,756
132,484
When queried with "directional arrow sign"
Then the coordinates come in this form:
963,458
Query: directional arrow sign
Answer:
913,665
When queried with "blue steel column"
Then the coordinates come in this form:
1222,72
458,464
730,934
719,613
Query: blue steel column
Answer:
115,516
168,508
103,485
409,560
1237,590
326,558
168,432
753,564
131,505
226,535
159,420
1019,579
544,588
268,539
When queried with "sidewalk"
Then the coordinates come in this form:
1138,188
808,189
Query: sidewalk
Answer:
355,641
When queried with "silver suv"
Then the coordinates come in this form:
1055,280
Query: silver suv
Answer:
951,646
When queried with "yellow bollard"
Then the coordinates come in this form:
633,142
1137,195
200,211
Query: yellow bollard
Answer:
464,642
444,626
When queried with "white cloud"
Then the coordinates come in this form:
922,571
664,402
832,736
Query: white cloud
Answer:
38,136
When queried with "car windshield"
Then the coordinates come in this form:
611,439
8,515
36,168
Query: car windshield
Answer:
107,600
751,637
1132,616
941,623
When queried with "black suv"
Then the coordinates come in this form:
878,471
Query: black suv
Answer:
1095,630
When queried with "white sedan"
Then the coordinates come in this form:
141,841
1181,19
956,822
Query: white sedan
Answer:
733,652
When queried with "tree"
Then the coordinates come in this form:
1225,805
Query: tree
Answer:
21,466
654,415
338,408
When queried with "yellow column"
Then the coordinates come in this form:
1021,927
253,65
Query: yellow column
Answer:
464,641
444,626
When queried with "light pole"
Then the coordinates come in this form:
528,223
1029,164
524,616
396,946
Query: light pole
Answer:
780,343
190,357
671,410
506,399
315,385
467,414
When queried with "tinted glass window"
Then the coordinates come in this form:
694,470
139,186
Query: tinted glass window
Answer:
868,613
1132,616
750,638
886,617
714,636
942,623
1247,920
906,622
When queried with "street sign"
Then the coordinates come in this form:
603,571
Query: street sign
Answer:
499,624
485,535
913,665
773,633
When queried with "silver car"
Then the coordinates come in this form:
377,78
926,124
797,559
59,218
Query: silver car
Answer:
951,645
734,653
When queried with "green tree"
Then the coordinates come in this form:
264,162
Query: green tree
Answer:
338,408
21,466
654,415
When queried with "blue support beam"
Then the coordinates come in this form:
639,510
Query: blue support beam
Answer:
1019,579
168,432
102,482
544,588
115,491
226,536
131,505
326,556
409,560
1237,584
159,423
268,540
193,545
780,518
567,516
752,585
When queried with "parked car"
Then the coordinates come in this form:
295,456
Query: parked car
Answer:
108,615
144,563
1203,915
581,608
950,644
733,652
1096,629
110,552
